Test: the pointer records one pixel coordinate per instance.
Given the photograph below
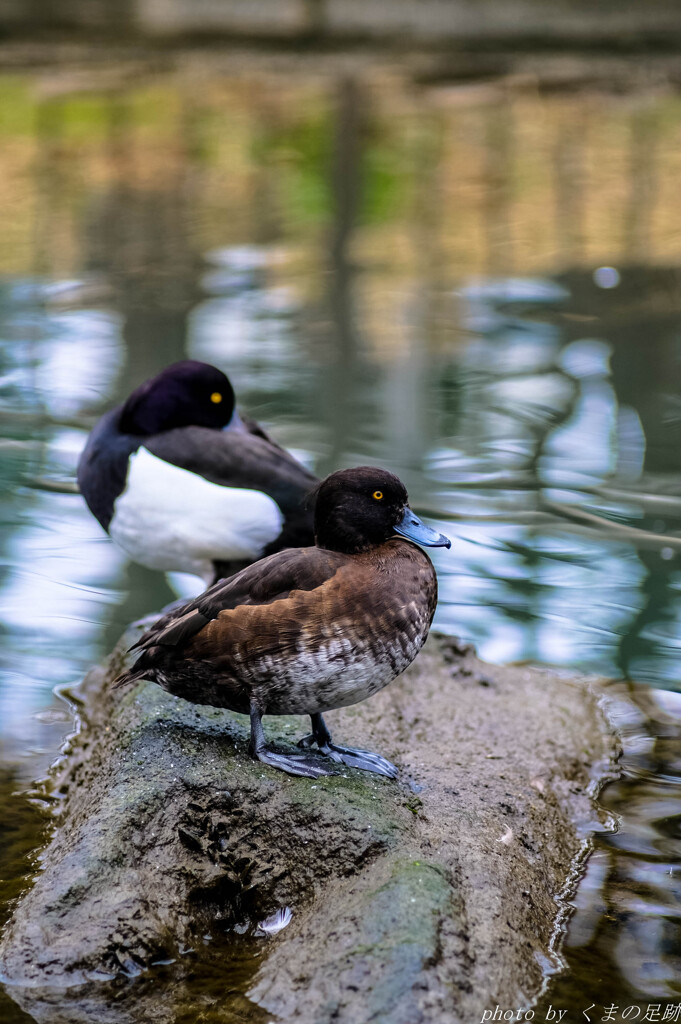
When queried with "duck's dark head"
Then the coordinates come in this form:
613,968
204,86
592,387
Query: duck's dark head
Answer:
358,509
185,394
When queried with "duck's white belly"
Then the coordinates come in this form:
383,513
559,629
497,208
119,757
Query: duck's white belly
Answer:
336,675
171,519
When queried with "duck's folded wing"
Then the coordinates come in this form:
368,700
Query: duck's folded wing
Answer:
269,580
253,427
238,458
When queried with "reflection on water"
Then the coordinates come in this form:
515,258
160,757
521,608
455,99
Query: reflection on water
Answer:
622,944
477,288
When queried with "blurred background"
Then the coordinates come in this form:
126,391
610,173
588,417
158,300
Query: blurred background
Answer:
441,238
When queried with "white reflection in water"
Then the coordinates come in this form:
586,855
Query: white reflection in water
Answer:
499,291
588,357
52,587
531,603
631,445
589,901
234,332
606,277
79,360
585,446
239,257
60,577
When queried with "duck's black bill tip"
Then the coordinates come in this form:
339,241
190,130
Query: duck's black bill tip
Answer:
411,527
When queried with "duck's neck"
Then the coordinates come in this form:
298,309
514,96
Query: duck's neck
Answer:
344,538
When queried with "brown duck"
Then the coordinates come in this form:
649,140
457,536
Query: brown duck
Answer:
307,630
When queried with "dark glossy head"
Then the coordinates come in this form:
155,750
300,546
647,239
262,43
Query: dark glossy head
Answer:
360,508
183,395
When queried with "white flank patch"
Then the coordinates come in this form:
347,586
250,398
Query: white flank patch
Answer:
171,519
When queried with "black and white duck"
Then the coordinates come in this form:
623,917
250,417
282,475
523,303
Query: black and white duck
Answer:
181,482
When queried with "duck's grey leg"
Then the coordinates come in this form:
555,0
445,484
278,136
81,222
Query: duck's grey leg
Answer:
294,764
363,759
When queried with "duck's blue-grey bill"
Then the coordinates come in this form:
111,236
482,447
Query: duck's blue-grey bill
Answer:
411,527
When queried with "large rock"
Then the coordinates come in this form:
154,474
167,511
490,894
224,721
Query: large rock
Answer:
424,899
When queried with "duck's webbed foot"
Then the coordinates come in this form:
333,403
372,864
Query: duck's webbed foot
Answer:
354,758
295,764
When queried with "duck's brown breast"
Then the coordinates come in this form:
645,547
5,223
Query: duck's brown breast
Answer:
319,649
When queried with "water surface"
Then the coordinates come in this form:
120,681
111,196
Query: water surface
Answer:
477,286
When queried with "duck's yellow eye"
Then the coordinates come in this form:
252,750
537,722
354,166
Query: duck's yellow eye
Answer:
378,495
216,397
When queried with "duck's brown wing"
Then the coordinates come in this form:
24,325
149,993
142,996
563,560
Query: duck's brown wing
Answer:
271,579
329,643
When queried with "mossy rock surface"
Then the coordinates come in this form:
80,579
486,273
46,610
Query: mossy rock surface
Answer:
423,899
